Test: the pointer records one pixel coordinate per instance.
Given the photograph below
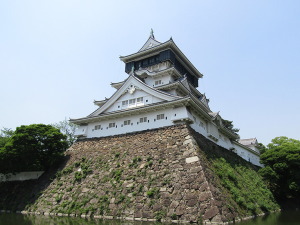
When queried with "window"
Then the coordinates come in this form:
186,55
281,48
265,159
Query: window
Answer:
97,127
160,116
143,119
139,100
110,125
131,101
157,82
126,122
125,103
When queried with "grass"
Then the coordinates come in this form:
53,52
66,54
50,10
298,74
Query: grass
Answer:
245,186
153,192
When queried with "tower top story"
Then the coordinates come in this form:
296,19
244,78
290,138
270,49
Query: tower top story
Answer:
154,52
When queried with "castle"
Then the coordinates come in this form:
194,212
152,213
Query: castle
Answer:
160,91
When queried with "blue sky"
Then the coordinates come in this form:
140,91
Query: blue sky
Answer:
57,57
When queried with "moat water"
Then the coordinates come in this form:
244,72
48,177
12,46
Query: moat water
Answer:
283,218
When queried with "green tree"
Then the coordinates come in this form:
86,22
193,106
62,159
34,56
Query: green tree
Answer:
261,148
32,147
228,124
282,167
67,128
5,135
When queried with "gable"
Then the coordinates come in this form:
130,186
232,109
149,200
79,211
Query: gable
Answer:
128,100
133,88
150,43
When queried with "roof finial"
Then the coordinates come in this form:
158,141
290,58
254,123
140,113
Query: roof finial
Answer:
151,34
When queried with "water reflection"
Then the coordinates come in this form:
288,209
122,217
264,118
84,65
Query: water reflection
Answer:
19,219
284,218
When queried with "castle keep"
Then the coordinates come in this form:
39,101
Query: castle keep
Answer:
160,91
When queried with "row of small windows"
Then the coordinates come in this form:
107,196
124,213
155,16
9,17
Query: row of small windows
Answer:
128,122
132,101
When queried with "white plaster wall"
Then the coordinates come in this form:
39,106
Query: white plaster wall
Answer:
247,155
179,113
165,79
202,129
82,130
171,116
135,124
33,175
213,130
222,141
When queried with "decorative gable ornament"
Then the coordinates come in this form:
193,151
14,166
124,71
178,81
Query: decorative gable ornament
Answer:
131,90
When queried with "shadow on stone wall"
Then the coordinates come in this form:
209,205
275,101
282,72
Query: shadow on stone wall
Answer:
18,195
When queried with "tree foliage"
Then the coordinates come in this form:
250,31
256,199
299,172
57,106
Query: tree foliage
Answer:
5,135
282,167
32,147
261,148
228,124
67,128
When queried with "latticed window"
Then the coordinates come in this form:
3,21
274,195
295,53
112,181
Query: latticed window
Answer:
125,103
139,100
131,101
126,122
160,116
157,82
97,127
110,125
143,119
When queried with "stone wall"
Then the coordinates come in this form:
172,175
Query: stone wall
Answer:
158,174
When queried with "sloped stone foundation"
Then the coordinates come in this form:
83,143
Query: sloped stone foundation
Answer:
158,174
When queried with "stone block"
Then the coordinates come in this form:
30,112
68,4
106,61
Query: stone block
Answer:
192,159
164,195
157,207
139,206
174,204
147,214
166,202
180,210
112,200
163,189
94,201
138,214
210,213
196,169
204,196
204,187
192,202
186,142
